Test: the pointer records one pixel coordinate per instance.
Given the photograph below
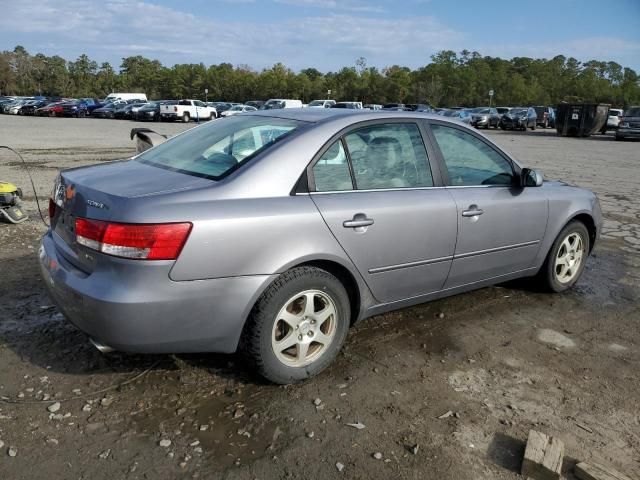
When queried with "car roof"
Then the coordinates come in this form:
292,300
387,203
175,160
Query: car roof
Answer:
322,115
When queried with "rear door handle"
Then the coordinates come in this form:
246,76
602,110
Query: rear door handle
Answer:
359,220
473,211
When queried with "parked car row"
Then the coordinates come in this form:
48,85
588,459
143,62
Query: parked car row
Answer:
506,118
136,106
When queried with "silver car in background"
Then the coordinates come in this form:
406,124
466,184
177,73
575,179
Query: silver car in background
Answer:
273,232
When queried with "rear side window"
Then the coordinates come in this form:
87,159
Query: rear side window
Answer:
389,156
331,171
218,148
469,160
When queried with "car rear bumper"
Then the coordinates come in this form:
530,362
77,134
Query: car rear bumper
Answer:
134,306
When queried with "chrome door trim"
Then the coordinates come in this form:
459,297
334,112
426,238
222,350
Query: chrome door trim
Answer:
496,249
417,263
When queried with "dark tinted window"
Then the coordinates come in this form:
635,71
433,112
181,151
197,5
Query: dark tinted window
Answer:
389,156
469,160
632,112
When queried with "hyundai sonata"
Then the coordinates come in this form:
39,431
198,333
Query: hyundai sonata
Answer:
273,232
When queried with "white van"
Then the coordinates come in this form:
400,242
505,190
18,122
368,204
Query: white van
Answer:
112,97
281,103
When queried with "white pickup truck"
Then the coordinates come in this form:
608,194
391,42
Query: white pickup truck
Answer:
187,110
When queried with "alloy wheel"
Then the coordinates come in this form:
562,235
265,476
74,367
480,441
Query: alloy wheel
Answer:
569,258
304,328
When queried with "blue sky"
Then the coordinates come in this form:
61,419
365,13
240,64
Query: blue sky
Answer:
326,34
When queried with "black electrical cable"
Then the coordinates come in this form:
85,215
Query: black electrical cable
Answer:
26,167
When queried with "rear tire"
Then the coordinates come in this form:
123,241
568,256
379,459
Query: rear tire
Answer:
288,339
566,259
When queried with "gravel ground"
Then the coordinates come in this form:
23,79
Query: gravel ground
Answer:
502,360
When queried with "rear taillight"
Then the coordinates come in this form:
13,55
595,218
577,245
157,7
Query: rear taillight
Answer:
175,109
52,208
162,241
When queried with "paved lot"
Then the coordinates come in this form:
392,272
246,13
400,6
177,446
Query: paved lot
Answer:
503,360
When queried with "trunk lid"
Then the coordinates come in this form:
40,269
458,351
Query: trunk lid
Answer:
106,192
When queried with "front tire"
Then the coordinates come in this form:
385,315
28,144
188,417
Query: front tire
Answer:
298,325
566,259
186,117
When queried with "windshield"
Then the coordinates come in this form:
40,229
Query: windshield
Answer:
317,103
216,149
632,112
480,110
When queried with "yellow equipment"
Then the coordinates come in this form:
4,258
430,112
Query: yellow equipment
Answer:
10,210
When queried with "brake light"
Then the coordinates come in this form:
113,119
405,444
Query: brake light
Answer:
162,241
52,208
175,109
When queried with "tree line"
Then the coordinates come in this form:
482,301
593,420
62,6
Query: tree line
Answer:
450,79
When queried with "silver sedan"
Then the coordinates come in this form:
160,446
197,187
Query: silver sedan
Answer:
273,232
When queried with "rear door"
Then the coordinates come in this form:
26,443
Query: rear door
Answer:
500,225
378,193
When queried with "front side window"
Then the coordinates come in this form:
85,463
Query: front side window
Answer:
331,171
216,149
389,156
469,160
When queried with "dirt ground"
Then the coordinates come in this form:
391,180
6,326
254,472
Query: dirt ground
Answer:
502,360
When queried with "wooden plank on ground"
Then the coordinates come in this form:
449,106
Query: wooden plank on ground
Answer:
595,471
542,457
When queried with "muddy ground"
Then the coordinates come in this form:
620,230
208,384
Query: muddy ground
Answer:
502,360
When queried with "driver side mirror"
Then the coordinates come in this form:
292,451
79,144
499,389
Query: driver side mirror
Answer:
530,178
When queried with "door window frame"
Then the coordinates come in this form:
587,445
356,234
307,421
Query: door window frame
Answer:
446,179
432,163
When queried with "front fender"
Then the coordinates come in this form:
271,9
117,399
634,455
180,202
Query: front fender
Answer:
565,204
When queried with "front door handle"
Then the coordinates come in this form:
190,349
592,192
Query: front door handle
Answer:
472,211
359,220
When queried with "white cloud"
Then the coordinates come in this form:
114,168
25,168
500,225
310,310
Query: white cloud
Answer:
111,29
116,28
335,5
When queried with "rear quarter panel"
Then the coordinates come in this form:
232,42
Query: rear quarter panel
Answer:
256,237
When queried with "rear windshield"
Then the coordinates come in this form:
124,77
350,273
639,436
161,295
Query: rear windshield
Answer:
216,149
632,112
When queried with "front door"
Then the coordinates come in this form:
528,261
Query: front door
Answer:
373,188
500,224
